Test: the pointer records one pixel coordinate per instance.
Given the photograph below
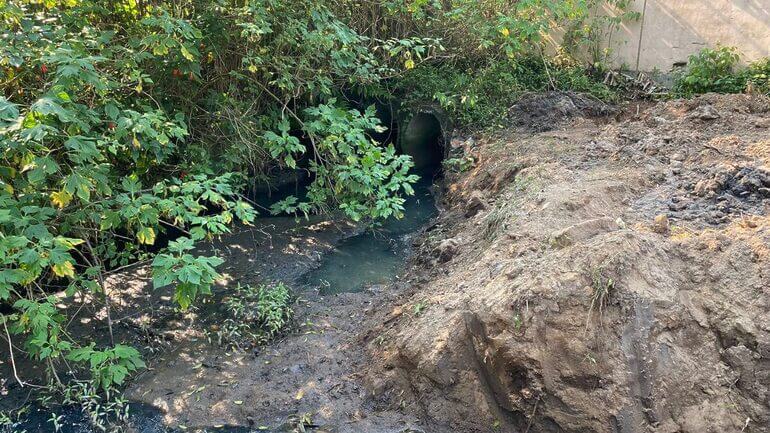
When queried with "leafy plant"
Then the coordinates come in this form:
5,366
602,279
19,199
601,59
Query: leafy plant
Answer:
109,367
711,70
459,164
255,315
718,70
758,76
191,275
419,307
358,174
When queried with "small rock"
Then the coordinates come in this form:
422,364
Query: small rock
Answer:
660,224
582,231
705,112
677,157
706,187
621,224
447,249
476,203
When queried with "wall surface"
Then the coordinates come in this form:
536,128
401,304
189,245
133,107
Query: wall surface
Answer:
671,30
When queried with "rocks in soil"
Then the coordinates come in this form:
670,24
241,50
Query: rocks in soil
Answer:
446,250
582,231
705,112
744,182
718,192
660,224
715,172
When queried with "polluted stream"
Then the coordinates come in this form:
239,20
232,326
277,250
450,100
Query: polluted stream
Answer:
370,257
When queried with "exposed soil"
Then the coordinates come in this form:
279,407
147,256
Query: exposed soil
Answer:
596,278
601,276
540,112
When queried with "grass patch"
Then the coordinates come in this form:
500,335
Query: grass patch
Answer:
255,315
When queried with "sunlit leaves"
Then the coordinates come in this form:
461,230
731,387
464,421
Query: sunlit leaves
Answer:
192,276
61,199
146,236
8,112
63,269
364,178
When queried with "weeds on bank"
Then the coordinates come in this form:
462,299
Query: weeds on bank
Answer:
419,308
601,287
106,411
479,96
255,315
459,164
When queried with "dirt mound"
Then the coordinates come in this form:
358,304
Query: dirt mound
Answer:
609,279
544,111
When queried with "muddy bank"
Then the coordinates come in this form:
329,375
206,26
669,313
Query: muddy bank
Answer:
599,277
609,274
309,376
148,319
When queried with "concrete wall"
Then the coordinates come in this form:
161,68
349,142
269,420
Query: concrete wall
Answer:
673,29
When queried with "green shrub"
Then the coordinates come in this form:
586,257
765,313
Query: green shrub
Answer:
758,75
718,70
711,70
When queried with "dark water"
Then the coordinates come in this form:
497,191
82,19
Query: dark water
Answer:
143,419
375,256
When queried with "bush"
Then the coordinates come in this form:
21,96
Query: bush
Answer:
717,70
711,70
758,76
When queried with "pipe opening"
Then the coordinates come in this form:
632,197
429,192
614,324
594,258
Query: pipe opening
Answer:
423,140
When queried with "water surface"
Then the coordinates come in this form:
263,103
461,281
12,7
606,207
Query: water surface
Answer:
377,255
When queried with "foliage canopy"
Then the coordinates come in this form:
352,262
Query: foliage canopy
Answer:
131,129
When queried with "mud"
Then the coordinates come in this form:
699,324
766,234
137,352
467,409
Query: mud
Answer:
615,280
587,274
